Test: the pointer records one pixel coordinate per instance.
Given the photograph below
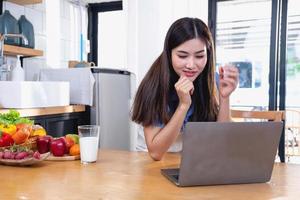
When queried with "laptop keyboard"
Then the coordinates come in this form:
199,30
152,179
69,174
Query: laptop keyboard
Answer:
174,173
175,176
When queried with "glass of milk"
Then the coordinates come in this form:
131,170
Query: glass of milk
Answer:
88,141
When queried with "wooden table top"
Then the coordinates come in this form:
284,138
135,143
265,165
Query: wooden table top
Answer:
131,175
31,112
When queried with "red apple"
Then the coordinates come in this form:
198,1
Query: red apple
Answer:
58,147
65,142
43,143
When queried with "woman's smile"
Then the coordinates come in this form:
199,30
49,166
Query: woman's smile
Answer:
189,74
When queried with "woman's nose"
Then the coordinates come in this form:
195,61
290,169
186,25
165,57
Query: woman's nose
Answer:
190,64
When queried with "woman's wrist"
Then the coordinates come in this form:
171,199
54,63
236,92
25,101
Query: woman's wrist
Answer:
224,100
224,109
183,107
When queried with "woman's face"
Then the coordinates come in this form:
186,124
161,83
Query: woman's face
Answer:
189,58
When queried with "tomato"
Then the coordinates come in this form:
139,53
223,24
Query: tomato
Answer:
5,139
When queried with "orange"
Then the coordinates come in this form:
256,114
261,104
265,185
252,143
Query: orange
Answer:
74,150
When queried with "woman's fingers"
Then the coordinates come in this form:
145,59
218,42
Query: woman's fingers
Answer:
184,88
184,85
188,88
228,71
182,80
229,76
192,90
221,72
228,82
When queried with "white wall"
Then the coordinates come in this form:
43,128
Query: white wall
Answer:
57,31
148,22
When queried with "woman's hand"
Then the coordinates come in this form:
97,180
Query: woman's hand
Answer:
229,76
184,88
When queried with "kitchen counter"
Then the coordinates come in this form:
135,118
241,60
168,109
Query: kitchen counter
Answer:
47,110
58,121
131,175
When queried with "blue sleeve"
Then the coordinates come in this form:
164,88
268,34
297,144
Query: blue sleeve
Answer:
159,124
186,119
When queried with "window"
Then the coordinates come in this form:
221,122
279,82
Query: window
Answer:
243,39
262,38
292,98
293,56
107,34
111,39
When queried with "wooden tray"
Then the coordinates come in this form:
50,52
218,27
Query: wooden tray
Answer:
24,162
62,158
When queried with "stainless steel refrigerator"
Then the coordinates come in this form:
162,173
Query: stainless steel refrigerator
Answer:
113,94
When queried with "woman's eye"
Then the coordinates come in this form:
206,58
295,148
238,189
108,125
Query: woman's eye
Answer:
182,56
200,56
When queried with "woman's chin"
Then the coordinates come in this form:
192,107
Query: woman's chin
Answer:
191,78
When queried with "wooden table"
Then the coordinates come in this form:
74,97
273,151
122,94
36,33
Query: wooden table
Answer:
31,112
131,175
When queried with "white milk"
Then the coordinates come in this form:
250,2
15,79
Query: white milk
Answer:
88,149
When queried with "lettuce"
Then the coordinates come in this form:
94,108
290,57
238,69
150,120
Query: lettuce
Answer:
13,117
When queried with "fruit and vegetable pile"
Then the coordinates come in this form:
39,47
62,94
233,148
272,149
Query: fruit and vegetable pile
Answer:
66,145
18,136
20,139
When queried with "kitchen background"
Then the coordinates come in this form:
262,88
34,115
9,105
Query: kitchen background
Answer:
59,23
131,38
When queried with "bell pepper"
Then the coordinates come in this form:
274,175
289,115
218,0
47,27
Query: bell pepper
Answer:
8,128
21,135
37,130
5,139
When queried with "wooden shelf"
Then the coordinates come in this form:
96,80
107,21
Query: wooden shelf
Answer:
16,50
25,2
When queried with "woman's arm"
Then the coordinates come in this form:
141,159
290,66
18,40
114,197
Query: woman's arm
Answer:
224,110
227,84
158,139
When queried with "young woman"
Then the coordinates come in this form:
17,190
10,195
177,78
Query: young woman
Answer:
180,86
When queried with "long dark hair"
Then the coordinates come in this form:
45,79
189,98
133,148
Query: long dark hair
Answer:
151,103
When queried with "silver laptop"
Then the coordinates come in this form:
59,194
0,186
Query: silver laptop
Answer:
226,153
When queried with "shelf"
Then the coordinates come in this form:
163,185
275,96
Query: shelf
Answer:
25,2
16,50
